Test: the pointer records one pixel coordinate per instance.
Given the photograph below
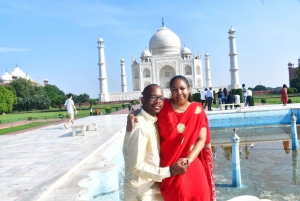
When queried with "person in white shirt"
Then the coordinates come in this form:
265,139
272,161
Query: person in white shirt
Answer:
69,104
249,97
237,99
141,152
203,97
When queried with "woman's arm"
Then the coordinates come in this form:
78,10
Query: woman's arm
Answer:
198,145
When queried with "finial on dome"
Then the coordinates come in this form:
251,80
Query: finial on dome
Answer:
163,24
16,65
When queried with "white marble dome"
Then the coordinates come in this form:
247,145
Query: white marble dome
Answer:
164,42
185,51
206,54
146,53
100,40
6,78
17,72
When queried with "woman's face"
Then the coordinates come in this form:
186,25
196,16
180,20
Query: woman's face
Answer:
180,92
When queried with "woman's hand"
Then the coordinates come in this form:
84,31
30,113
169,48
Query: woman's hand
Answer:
131,119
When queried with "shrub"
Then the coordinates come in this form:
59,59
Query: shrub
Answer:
263,101
29,118
214,94
123,106
196,97
289,101
290,91
108,110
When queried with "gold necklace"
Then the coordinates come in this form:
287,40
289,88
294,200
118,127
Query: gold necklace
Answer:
177,107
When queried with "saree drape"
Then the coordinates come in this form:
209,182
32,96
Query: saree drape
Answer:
178,134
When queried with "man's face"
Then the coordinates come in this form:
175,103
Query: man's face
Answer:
153,100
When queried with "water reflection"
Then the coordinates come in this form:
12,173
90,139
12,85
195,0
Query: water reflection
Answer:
295,166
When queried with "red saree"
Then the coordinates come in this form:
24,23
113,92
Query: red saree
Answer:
284,96
178,133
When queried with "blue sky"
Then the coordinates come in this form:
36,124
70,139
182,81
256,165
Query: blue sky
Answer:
57,40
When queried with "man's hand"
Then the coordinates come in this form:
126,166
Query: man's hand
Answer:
131,119
180,166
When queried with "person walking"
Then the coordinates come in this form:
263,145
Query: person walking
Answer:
69,104
284,95
209,97
203,97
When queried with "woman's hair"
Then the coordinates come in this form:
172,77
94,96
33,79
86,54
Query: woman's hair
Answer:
225,92
284,86
183,79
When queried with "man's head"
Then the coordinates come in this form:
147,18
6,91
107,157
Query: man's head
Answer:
243,85
70,96
210,88
153,99
205,89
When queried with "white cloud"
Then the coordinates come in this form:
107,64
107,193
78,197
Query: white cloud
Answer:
12,49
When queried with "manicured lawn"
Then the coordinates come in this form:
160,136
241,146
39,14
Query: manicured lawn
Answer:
21,127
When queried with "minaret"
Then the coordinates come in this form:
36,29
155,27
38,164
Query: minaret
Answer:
103,96
123,76
234,68
207,69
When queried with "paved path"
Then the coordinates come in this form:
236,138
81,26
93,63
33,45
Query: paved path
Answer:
31,162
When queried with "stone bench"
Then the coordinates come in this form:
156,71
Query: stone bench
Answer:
83,127
241,105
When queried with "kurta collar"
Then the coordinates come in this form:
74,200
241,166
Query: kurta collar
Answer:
148,116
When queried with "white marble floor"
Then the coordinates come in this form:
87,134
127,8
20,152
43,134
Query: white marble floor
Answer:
33,162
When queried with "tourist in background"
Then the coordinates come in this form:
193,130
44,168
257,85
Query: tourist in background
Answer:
284,95
237,99
91,111
209,97
69,104
230,100
249,97
219,94
244,94
224,96
96,110
203,97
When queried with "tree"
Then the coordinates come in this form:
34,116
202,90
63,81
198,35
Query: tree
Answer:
56,95
25,88
260,88
295,83
82,98
7,100
92,102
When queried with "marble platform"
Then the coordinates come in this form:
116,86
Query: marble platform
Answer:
33,163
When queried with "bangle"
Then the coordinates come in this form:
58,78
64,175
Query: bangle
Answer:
171,171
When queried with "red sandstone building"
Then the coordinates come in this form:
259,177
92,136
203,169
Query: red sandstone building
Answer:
292,70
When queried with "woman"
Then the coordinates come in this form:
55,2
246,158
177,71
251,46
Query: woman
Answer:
284,95
184,133
224,96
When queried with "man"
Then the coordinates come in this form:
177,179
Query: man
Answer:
230,100
209,97
237,99
141,152
203,97
249,97
244,94
69,104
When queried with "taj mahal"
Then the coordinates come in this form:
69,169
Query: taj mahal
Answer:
165,59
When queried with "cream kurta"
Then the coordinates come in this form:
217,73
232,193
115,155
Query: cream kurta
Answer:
141,156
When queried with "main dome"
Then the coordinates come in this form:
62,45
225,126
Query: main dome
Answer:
164,41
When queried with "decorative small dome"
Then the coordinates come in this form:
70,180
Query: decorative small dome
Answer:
100,40
146,53
164,41
185,50
17,72
122,60
206,54
6,78
231,31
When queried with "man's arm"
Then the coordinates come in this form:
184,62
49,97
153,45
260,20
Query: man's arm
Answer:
136,145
